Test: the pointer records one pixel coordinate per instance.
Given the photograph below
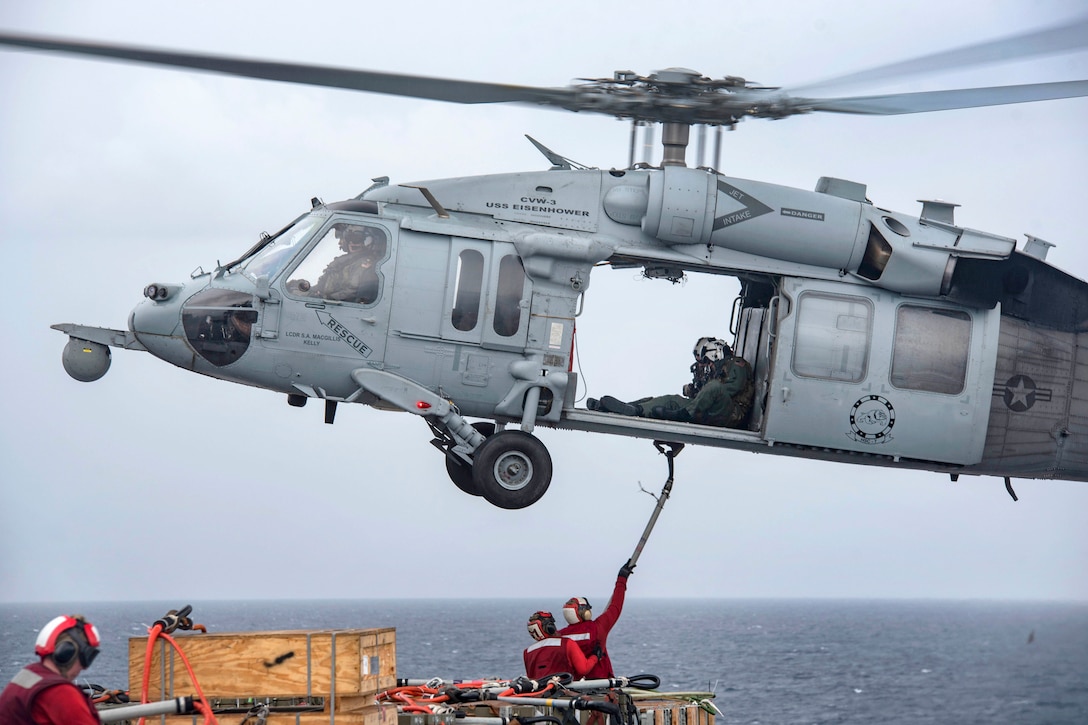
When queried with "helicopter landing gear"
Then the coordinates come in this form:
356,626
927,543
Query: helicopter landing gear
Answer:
512,469
460,472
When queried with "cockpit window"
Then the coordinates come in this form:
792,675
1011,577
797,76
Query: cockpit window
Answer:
272,258
344,266
219,324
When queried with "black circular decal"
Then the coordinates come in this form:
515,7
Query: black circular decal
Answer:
871,419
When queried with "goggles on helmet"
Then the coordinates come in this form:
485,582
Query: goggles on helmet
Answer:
711,349
541,625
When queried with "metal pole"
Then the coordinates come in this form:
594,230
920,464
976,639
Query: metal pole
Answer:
648,144
567,702
718,149
674,450
178,706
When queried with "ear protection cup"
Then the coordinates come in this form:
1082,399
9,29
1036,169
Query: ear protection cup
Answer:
66,651
87,652
577,609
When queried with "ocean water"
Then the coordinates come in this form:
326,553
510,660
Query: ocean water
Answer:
769,662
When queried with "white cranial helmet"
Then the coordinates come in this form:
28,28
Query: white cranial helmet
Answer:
577,609
711,349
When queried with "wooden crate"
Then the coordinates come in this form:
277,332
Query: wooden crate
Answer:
349,665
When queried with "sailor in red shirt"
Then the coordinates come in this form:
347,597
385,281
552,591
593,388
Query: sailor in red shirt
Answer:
552,655
43,693
591,634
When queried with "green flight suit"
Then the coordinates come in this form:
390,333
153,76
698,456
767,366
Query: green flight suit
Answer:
723,401
348,278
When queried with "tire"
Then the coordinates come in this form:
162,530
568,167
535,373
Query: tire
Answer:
512,469
459,471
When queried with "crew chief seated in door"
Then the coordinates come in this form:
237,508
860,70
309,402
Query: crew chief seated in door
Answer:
720,394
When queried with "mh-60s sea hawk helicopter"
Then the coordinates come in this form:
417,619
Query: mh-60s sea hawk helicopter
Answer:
876,337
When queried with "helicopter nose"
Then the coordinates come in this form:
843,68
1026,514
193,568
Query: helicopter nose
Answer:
159,314
156,323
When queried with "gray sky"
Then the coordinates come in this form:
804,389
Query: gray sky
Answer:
154,483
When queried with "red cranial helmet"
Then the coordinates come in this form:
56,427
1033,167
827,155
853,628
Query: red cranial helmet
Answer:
67,638
541,625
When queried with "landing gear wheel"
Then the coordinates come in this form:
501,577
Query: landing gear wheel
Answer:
512,469
459,471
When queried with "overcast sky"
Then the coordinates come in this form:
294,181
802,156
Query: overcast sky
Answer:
154,483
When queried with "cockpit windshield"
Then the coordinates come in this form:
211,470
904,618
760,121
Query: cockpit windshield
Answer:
273,256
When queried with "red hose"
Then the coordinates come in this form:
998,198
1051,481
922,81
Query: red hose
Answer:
201,704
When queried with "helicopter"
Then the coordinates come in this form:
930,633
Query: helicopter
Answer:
866,329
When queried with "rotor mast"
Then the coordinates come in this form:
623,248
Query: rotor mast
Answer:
674,143
677,98
675,140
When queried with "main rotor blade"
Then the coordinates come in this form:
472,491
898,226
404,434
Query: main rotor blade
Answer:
438,89
646,99
1069,36
898,103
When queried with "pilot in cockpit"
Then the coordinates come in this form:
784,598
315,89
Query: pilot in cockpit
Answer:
352,276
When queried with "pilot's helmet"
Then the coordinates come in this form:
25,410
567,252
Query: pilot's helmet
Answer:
711,349
356,239
577,609
541,625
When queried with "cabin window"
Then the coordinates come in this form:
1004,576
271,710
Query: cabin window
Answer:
343,266
931,349
832,337
508,297
467,290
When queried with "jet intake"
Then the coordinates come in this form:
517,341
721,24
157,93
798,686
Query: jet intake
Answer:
906,255
626,203
691,206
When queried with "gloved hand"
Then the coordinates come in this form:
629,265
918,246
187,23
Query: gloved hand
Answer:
626,569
